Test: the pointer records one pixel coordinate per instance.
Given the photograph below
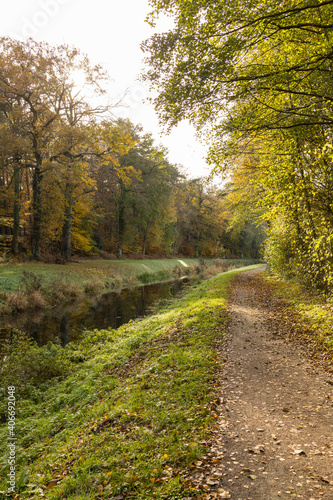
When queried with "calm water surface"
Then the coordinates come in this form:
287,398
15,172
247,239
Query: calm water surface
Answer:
66,324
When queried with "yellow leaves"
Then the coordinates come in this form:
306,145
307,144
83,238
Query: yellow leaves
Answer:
81,242
113,140
127,174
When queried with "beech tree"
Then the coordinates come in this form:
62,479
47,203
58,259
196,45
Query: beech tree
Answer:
220,53
35,80
138,196
74,179
256,77
13,154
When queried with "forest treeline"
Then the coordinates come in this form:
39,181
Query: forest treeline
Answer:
73,179
256,78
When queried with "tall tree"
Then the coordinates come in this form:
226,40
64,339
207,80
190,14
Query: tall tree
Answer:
257,77
35,80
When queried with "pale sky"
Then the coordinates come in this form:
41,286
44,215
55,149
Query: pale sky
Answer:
110,33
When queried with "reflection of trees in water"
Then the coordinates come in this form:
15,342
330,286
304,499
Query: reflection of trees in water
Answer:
143,298
64,330
34,332
111,311
33,326
119,314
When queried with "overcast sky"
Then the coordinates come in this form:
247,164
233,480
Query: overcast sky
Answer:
110,33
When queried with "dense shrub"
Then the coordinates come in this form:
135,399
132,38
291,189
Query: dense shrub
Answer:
27,367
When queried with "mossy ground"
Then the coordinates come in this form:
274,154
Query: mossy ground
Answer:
132,413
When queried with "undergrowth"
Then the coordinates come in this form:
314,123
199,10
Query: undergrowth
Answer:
124,412
313,312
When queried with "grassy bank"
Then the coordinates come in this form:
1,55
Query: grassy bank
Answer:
312,313
122,414
85,271
38,285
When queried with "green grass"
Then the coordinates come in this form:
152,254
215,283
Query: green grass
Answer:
85,271
313,312
134,412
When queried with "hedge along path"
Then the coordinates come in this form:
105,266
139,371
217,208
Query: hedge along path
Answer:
273,437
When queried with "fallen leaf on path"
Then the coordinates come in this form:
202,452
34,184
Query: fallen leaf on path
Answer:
223,493
212,482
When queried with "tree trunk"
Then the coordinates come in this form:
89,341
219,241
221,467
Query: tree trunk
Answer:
199,223
67,230
37,209
121,221
144,241
16,226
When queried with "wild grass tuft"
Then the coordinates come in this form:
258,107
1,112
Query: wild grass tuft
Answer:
312,313
17,301
94,287
36,300
118,283
131,282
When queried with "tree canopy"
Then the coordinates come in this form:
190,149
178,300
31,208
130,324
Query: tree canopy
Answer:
75,179
255,78
264,52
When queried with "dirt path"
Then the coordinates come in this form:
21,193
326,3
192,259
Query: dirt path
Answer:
274,435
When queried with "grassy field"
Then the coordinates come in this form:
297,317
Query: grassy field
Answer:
88,270
125,412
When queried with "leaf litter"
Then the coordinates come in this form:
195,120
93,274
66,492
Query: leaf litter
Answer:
268,386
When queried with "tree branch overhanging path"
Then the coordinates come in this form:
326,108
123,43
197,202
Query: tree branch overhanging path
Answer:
273,436
258,73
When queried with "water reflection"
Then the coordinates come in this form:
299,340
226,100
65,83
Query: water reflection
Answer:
64,329
66,324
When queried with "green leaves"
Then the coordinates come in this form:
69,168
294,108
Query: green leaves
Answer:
254,59
257,74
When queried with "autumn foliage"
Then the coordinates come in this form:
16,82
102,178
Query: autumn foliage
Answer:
256,78
73,179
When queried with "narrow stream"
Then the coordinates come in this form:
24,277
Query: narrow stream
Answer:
66,324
